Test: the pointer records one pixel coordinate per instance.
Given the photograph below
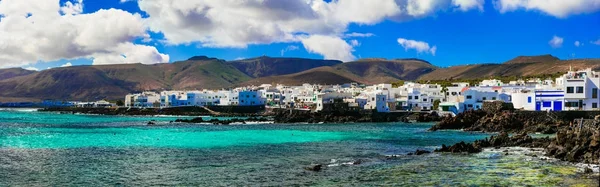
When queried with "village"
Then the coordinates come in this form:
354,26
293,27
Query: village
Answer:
574,90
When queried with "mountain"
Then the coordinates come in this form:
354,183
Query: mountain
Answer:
13,72
520,66
201,72
532,59
115,81
267,66
367,71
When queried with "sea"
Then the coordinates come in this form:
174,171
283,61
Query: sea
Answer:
54,149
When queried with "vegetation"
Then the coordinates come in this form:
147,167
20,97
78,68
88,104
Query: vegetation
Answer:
436,104
120,103
504,79
398,84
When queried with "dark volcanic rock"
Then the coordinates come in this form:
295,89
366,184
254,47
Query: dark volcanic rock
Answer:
420,152
461,147
500,140
576,145
314,167
300,116
504,121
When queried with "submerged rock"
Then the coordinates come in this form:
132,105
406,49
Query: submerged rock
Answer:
314,167
420,152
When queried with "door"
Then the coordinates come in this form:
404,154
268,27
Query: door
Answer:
557,106
538,106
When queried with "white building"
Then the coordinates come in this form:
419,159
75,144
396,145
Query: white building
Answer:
581,90
143,100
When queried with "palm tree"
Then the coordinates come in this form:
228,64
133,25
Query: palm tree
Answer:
444,91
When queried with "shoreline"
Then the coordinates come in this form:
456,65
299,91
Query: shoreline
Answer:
570,137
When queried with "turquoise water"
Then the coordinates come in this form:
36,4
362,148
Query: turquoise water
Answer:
53,149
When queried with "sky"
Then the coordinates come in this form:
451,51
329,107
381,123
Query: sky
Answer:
44,34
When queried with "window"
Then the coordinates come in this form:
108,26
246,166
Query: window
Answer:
409,97
416,97
594,105
595,93
484,98
494,98
579,89
528,99
571,104
424,100
570,89
469,97
547,104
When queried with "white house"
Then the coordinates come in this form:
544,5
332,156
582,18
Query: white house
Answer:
250,98
581,90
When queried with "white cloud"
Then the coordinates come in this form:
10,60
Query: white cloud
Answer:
330,47
289,48
419,46
71,8
597,42
68,64
466,5
32,68
358,35
577,44
556,8
354,43
234,23
556,42
32,31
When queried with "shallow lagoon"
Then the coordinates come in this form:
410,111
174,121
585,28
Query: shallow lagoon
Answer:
65,149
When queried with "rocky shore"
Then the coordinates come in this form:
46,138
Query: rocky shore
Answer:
575,141
503,121
496,141
241,111
297,116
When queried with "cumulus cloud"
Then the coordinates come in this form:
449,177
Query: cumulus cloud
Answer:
577,44
289,48
331,47
237,24
32,31
358,35
466,5
71,8
419,46
32,68
68,64
556,42
597,42
354,43
556,8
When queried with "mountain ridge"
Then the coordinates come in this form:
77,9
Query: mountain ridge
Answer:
90,82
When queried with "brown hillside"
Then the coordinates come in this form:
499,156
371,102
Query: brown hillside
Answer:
13,72
510,69
367,71
267,66
115,81
532,59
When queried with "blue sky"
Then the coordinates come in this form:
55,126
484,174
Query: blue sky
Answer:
488,34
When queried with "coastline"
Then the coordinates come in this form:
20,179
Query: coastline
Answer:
576,140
